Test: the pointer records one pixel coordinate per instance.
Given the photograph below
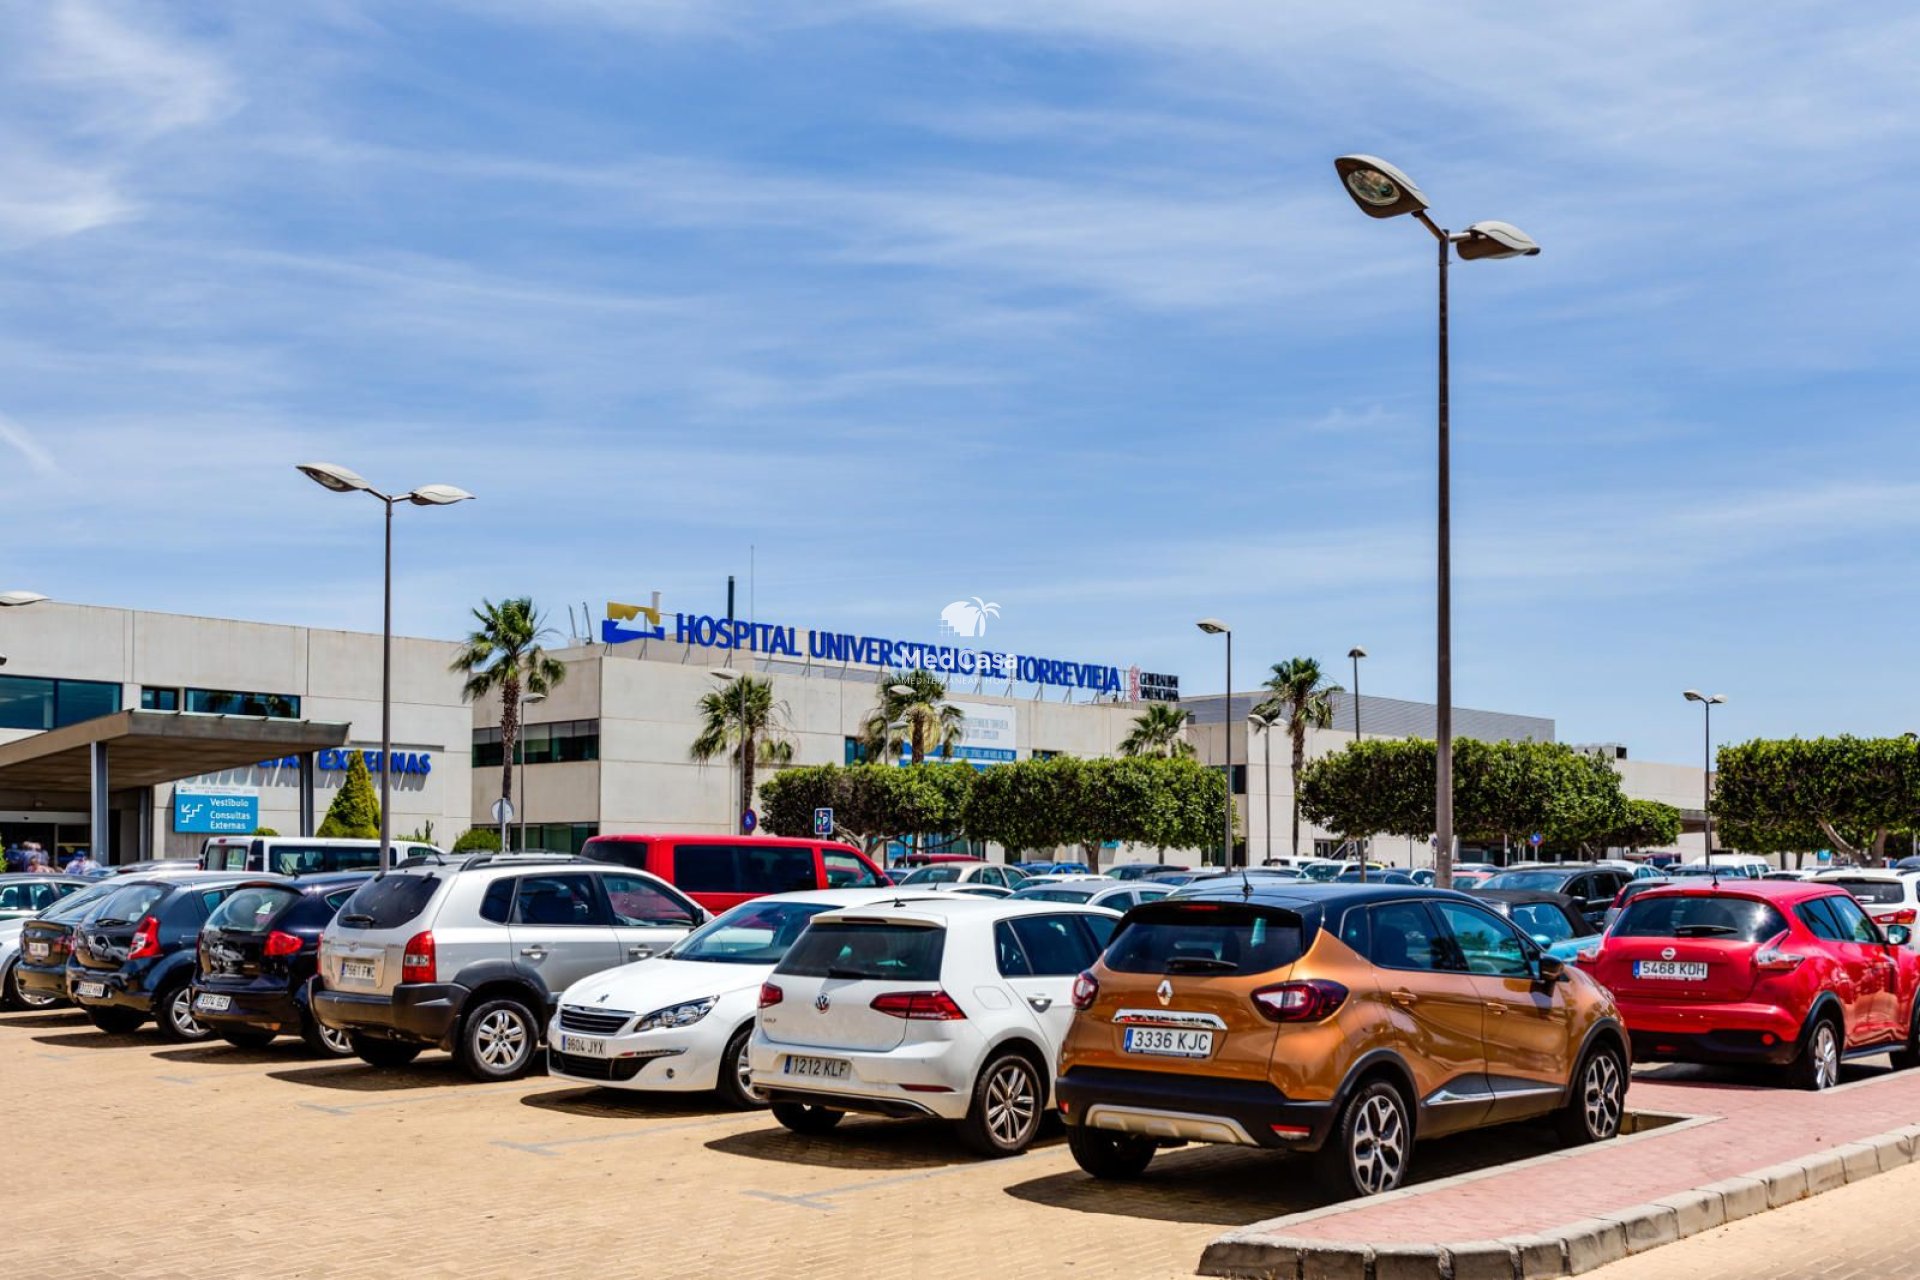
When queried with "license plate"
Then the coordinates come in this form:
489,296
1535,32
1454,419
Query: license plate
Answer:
357,971
38,950
819,1068
585,1046
90,990
1671,970
212,1003
1169,1042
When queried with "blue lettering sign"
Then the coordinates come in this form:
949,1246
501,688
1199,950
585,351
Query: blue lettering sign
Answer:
205,814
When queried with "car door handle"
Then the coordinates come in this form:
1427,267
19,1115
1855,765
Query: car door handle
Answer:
1040,1003
1494,1006
1404,998
534,953
640,952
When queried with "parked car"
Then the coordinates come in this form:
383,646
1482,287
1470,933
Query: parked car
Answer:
1726,866
29,893
1384,875
258,954
1256,875
1143,870
35,970
1553,920
991,873
1890,897
1342,1020
719,872
471,956
1761,971
680,1021
1593,887
303,855
1095,891
1049,868
952,1008
1628,892
132,957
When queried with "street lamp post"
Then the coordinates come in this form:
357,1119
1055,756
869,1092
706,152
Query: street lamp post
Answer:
1215,627
1383,191
1265,727
526,700
1356,653
1707,703
341,480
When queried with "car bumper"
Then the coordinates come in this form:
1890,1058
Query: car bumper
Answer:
681,1060
42,980
264,1008
1192,1108
421,1012
117,990
932,1078
1731,1033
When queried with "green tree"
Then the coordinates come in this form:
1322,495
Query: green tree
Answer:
355,811
1649,825
265,831
503,655
477,840
921,717
872,804
1302,699
1385,785
1160,730
1168,802
742,719
1783,795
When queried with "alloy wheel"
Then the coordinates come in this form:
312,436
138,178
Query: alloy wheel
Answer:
1013,1106
1379,1148
180,1014
743,1072
1600,1096
1826,1057
336,1041
33,999
500,1039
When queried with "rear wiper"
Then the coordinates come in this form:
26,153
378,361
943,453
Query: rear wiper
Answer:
109,923
840,971
357,918
1701,930
1200,964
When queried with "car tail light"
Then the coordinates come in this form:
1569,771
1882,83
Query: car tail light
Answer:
1903,916
285,944
146,939
919,1006
1308,1001
1771,959
418,962
770,995
1086,989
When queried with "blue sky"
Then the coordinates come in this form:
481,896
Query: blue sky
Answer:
1054,304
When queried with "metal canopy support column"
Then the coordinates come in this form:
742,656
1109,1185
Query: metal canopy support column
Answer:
100,833
145,839
306,794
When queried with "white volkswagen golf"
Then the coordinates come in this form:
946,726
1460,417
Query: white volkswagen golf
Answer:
679,1022
951,1007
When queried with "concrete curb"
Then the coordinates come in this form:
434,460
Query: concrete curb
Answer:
1573,1248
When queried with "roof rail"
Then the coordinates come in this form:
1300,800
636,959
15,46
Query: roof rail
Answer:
520,857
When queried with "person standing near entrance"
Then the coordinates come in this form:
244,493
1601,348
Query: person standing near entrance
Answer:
16,859
82,865
37,859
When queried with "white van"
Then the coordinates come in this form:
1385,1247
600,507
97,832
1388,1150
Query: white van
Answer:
301,855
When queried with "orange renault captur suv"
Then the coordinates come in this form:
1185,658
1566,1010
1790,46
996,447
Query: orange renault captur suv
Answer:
1341,1019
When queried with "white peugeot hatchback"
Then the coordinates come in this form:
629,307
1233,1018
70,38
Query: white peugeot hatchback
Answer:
679,1022
952,1008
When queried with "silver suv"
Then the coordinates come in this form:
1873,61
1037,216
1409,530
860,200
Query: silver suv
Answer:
471,954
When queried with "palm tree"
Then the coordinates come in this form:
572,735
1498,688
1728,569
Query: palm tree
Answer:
743,720
921,717
1302,699
1160,730
503,655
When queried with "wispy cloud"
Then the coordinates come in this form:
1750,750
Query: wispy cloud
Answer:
23,443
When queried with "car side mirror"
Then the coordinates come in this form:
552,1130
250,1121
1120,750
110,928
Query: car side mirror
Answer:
1550,969
1898,935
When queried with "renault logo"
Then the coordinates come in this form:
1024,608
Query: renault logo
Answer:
821,1002
1165,992
1666,953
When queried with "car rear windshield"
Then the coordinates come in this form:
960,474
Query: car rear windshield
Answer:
754,933
251,910
858,949
1878,892
743,868
1045,894
1206,937
387,902
129,904
1697,916
81,903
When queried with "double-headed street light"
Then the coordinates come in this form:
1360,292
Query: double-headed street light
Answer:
18,599
1707,703
1215,627
1264,726
1383,191
341,480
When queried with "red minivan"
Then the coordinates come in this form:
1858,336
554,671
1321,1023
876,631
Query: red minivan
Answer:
719,872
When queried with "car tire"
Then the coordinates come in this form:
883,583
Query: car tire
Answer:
115,1022
805,1118
1817,1066
498,1041
12,997
376,1051
1008,1099
173,1014
327,1042
1598,1099
1907,1057
1114,1157
1371,1145
735,1088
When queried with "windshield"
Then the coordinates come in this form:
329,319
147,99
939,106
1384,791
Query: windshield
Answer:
752,933
250,910
1696,916
1878,892
1206,937
938,873
81,903
1543,881
129,903
1058,893
855,949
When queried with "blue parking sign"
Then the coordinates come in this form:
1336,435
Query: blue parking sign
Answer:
823,822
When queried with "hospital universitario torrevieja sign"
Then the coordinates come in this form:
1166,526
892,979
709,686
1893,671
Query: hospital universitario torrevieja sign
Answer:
627,623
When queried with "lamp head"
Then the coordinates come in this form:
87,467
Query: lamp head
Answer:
437,495
16,599
1380,190
1495,240
1356,652
1694,695
724,673
1213,626
338,479
902,690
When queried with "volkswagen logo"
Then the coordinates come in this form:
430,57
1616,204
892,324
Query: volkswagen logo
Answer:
1666,953
821,1002
1165,992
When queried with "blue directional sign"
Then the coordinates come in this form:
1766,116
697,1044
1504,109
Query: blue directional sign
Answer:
823,822
215,815
748,821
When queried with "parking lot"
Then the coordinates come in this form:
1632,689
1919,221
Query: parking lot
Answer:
209,1160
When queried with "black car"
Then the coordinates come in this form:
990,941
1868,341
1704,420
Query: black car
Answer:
132,958
1547,918
1593,886
35,975
258,955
